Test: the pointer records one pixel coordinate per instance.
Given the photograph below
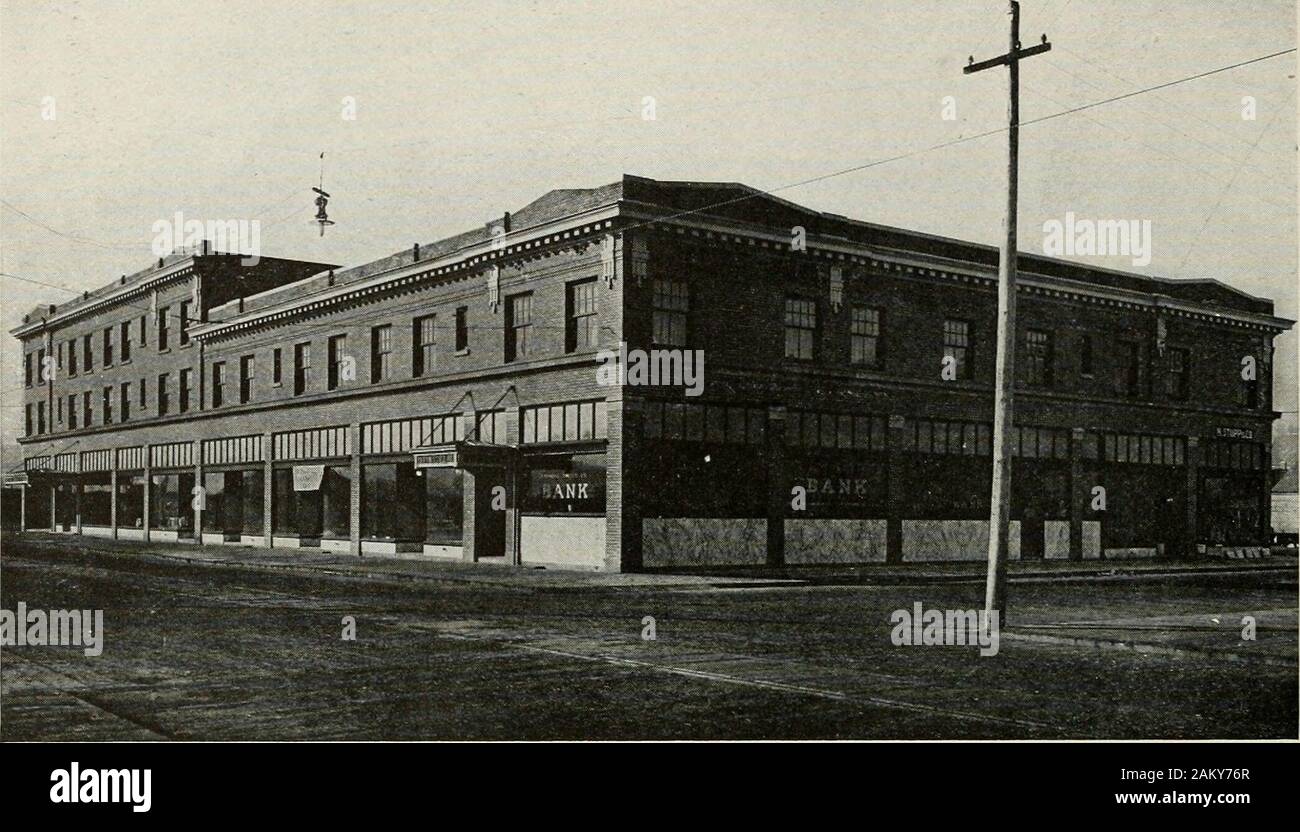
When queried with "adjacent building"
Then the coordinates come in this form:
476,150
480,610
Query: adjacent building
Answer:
450,400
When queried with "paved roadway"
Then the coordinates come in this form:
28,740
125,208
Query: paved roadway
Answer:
199,652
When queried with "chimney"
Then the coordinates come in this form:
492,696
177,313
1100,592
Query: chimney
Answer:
415,253
52,308
122,281
505,222
160,262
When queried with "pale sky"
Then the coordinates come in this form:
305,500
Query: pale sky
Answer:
466,110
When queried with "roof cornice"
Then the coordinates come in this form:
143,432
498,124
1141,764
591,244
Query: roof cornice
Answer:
468,259
117,295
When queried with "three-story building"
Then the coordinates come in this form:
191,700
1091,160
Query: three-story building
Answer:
449,400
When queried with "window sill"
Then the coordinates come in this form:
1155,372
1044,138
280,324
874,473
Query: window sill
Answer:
462,352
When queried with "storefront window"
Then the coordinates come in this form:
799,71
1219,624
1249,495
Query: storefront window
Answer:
284,502
336,502
565,484
130,501
296,510
170,503
97,500
233,502
65,504
444,506
391,506
214,502
254,488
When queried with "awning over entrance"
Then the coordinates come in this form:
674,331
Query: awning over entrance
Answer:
467,454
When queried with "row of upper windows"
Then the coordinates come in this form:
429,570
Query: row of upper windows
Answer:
671,310
958,350
340,367
77,410
581,333
70,360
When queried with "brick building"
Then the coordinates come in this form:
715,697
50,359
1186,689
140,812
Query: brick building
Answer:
446,401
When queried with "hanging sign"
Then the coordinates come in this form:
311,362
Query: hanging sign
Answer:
308,477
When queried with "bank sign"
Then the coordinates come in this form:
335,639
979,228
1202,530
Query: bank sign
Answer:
551,490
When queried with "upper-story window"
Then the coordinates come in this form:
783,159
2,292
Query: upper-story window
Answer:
164,402
301,367
218,383
108,346
958,346
125,401
335,347
126,340
87,408
162,328
1176,373
183,323
87,354
144,330
42,375
183,391
72,357
246,379
580,322
59,361
800,328
422,345
1127,362
40,417
519,321
28,425
144,390
1248,393
865,335
277,367
1085,355
28,360
462,328
72,411
672,306
1038,358
106,404
381,353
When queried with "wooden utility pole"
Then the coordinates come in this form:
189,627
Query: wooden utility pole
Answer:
995,592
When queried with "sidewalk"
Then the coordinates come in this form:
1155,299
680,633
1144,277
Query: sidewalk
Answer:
405,569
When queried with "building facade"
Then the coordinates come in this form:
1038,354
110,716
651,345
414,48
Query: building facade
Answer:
450,400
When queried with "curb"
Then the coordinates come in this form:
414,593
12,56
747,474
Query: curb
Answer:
1149,649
